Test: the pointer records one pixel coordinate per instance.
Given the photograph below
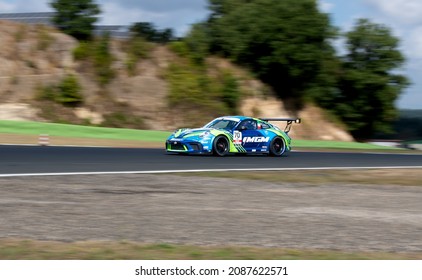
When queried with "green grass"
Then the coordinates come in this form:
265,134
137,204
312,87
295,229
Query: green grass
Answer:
338,145
78,131
125,250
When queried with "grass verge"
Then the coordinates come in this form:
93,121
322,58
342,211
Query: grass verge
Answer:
124,250
79,131
323,144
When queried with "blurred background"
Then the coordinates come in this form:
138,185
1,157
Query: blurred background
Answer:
349,70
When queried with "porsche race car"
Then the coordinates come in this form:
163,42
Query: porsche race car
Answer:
233,134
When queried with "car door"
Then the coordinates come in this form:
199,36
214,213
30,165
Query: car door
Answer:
247,134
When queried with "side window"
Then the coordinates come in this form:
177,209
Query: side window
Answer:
264,125
247,125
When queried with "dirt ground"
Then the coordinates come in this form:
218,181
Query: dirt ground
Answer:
212,211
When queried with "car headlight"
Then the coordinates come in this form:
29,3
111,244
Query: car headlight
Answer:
204,134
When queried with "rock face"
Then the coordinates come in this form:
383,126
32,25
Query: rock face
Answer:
32,56
18,112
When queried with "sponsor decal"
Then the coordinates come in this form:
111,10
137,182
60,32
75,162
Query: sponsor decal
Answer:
256,139
237,137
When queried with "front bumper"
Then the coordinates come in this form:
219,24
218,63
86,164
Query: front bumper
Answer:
186,147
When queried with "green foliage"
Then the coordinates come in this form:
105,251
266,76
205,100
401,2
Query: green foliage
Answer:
283,42
76,17
98,53
230,92
82,51
194,89
103,60
147,31
368,84
136,49
67,92
180,48
123,119
197,42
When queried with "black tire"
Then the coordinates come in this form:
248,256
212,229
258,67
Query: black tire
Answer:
277,147
220,146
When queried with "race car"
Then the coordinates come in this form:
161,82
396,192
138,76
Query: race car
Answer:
231,135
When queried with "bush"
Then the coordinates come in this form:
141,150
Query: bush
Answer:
230,92
82,51
67,92
205,94
122,119
98,53
180,48
103,60
137,48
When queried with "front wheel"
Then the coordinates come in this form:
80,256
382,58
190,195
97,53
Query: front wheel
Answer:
220,146
277,147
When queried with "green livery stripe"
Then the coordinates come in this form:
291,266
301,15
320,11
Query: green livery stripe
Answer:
235,147
275,131
278,133
240,148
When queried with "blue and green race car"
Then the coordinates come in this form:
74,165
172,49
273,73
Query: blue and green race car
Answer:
233,134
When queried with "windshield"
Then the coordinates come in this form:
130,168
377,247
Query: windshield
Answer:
222,124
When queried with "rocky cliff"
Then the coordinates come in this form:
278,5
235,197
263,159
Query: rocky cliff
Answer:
33,56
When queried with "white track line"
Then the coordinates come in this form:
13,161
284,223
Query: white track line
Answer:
203,170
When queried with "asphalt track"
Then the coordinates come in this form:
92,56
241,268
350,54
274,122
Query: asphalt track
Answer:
49,159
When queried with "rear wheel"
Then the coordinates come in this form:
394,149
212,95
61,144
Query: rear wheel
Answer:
220,146
277,147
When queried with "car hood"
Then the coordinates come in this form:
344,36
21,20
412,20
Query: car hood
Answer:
189,132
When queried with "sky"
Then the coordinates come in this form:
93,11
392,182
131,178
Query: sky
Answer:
403,17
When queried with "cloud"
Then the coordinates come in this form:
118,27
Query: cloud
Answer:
159,6
21,6
413,43
178,15
6,7
325,6
405,11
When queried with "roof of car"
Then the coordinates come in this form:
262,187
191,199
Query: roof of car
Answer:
240,118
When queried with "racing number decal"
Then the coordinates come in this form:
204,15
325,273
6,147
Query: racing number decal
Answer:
237,137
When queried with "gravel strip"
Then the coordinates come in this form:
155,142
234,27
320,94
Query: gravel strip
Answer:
212,211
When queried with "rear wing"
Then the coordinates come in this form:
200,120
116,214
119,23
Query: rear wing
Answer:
289,121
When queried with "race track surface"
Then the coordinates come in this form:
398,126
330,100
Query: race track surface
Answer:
38,159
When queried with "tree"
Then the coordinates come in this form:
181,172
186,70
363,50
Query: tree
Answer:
283,42
147,31
198,42
369,83
76,17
